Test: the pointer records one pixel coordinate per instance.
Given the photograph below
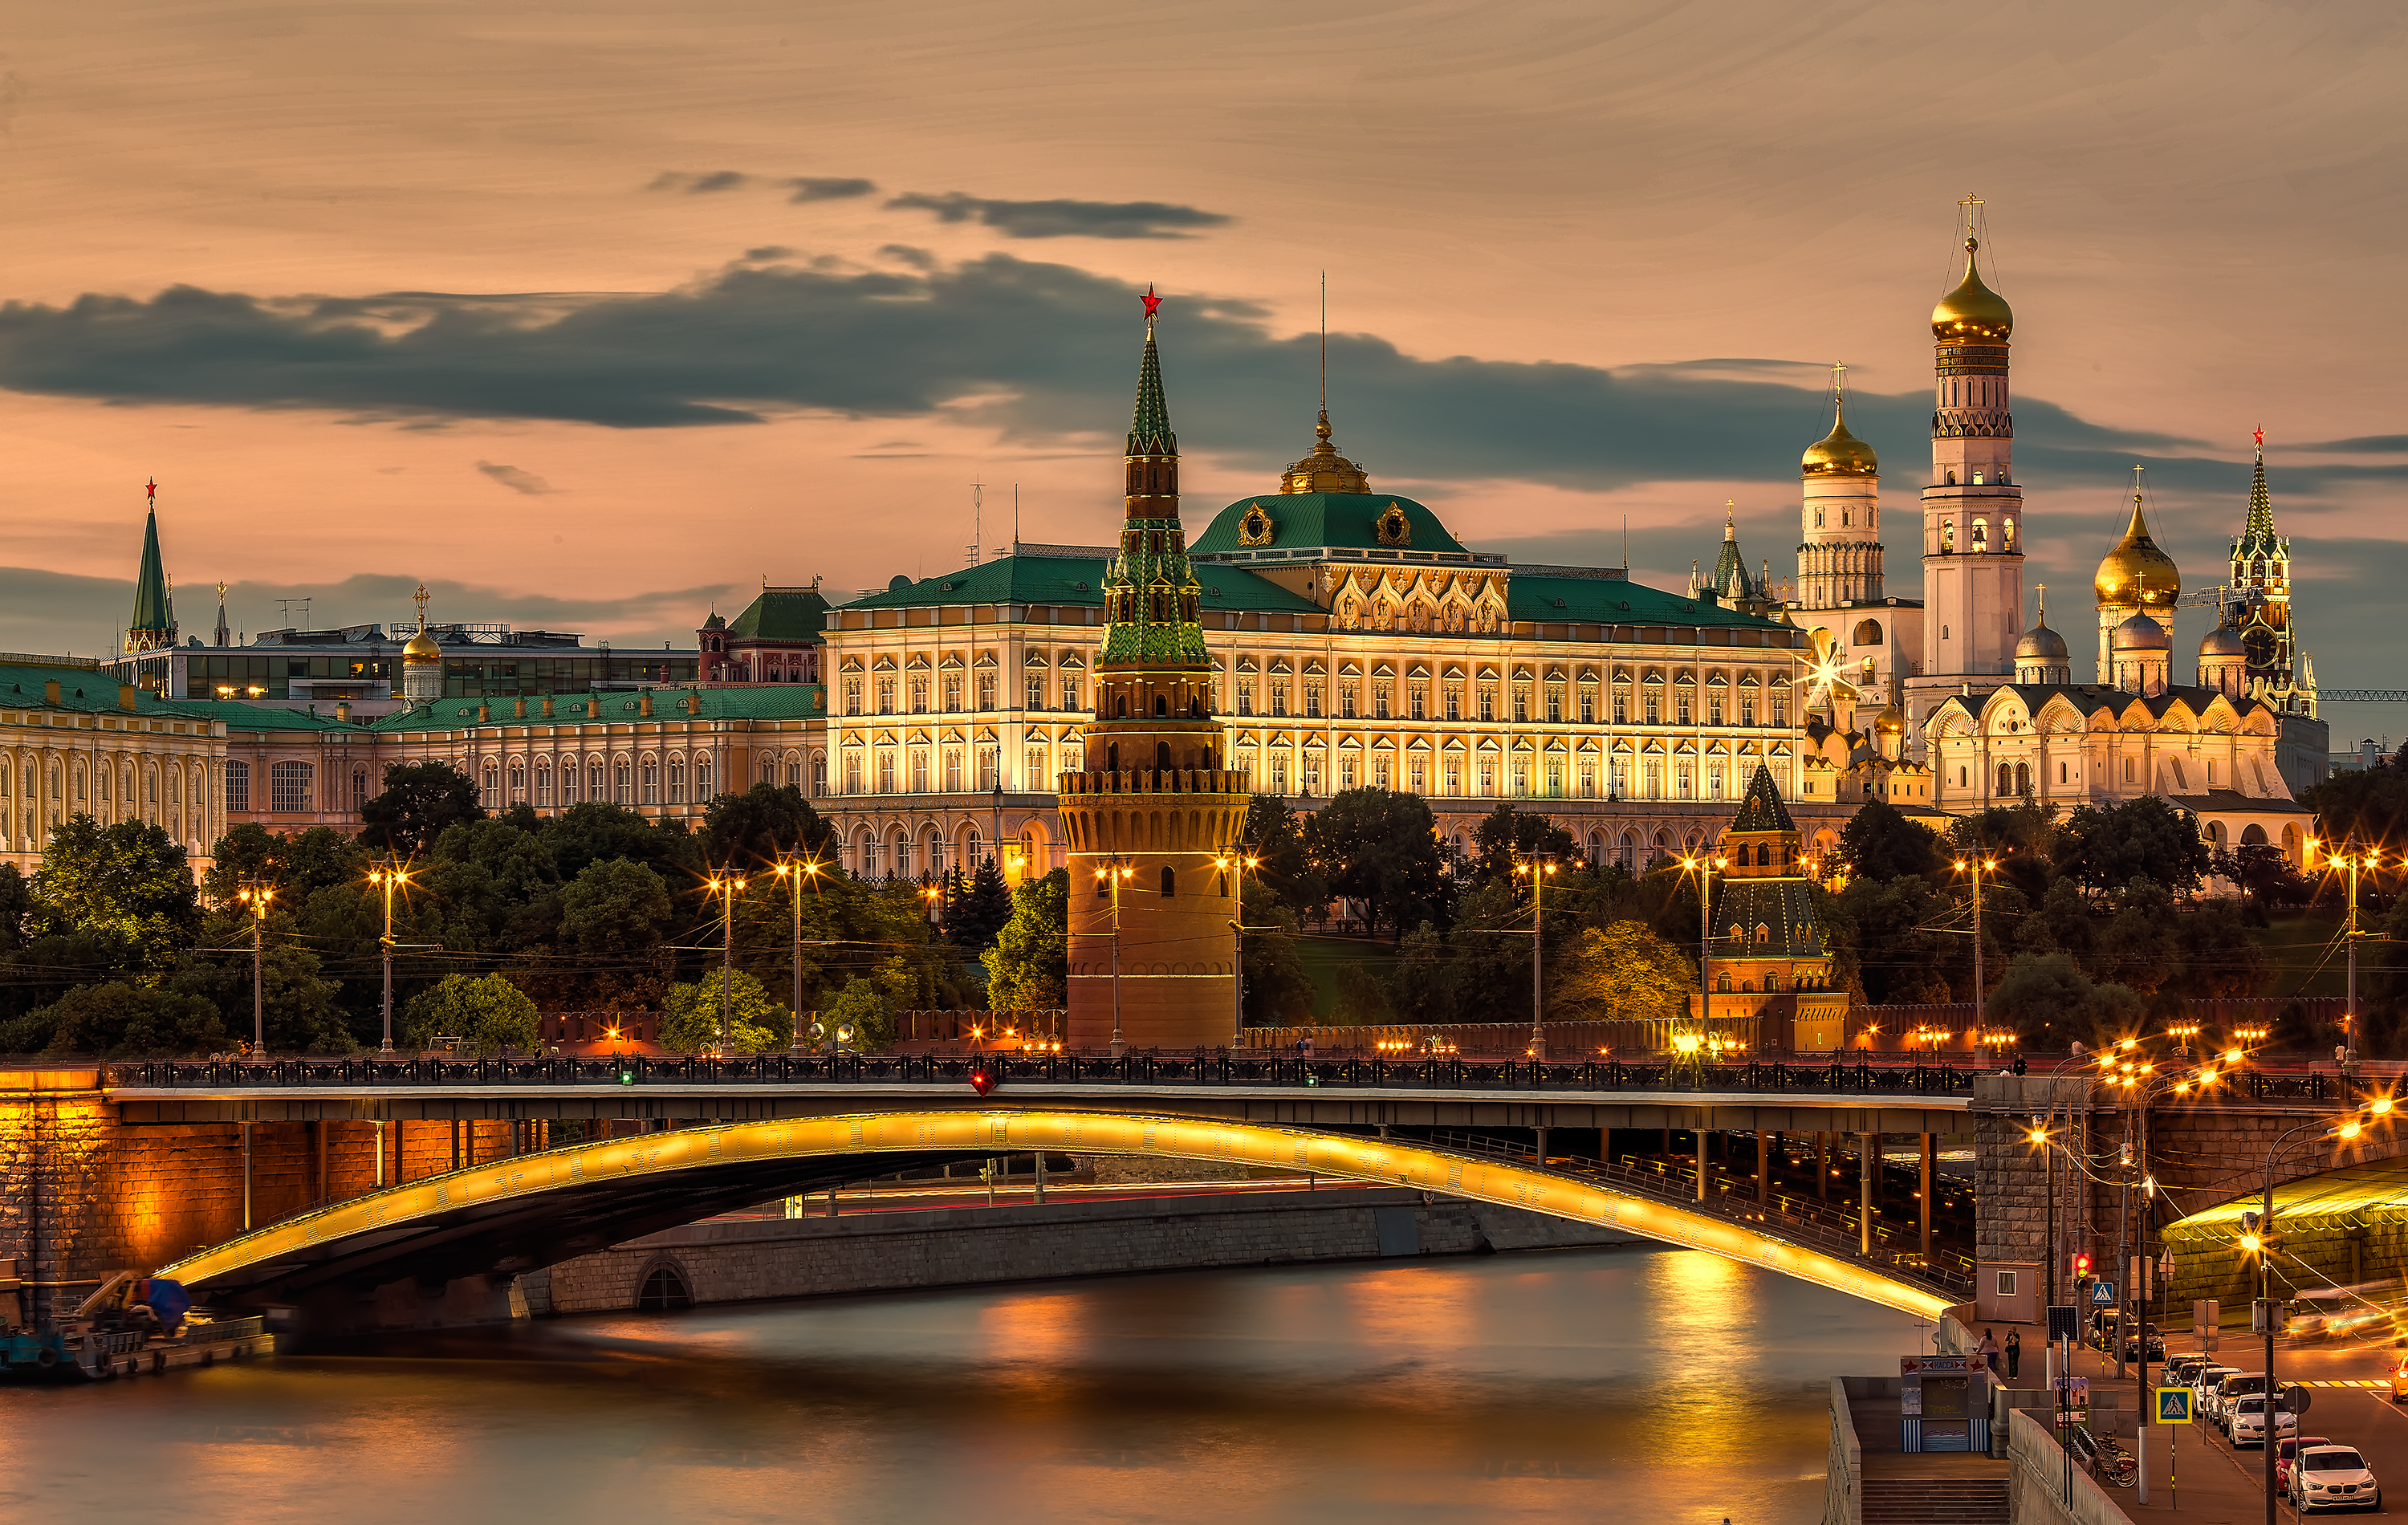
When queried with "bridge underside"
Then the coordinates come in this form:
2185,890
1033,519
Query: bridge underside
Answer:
495,1220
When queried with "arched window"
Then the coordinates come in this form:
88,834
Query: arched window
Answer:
1170,883
1763,854
1869,633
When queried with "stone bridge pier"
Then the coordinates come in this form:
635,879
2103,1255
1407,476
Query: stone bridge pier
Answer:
2187,1156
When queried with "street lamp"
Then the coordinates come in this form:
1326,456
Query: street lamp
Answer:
1234,861
2258,1238
256,893
1116,872
1705,866
1977,866
725,886
1539,866
795,871
2354,863
389,876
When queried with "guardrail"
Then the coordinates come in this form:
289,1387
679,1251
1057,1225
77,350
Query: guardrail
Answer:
1208,1071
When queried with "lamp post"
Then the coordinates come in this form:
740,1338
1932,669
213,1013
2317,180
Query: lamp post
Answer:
1977,865
795,871
256,893
1705,865
1115,872
725,886
388,876
1233,861
2257,1239
1537,866
2353,863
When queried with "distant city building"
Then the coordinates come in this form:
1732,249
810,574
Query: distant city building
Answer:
74,740
1867,643
775,640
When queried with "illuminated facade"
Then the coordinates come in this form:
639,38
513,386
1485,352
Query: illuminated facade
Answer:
1867,643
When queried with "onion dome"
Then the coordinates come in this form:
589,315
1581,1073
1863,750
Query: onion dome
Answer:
1324,470
2042,644
2222,642
422,649
1891,721
1840,453
2139,634
1972,312
2136,571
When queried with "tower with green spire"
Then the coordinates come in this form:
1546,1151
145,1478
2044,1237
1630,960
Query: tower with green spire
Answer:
2262,587
1151,816
153,625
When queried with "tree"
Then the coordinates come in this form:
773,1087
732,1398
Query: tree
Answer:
297,1003
2363,805
2105,847
118,1019
1878,842
615,910
2218,955
1620,972
1274,837
1898,958
1362,997
755,1023
487,1009
1029,969
763,824
2045,998
870,1002
1278,992
2137,949
420,799
128,881
23,915
976,907
1505,834
1379,847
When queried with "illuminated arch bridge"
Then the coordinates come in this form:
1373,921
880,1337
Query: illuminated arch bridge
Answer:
531,1211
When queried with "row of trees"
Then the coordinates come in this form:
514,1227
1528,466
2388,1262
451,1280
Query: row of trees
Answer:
111,948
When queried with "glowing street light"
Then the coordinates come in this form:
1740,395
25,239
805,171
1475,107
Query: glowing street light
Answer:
256,893
389,876
725,886
796,870
1538,868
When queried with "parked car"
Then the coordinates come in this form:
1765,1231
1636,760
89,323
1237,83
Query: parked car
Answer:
2288,1452
2334,1478
2203,1384
2235,1385
2244,1421
2133,1338
2400,1383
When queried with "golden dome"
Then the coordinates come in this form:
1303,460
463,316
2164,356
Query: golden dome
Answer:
1324,470
422,648
1972,311
1891,721
2136,572
1840,453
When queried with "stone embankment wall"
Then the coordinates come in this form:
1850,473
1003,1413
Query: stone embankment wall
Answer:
2038,1492
747,1260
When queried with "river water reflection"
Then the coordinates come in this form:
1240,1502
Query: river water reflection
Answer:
1624,1384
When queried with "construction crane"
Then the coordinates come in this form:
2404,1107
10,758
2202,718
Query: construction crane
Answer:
2362,695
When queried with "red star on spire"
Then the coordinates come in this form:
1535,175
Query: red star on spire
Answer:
1153,303
151,489
2260,433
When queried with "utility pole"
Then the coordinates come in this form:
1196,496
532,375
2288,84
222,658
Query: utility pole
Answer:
798,870
1705,866
1978,865
725,886
256,893
388,876
1114,872
1537,866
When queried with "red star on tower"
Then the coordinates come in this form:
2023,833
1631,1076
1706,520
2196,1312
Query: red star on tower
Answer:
1153,303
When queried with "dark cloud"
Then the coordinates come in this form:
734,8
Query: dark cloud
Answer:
44,610
825,188
1066,219
696,185
2365,445
1043,352
516,480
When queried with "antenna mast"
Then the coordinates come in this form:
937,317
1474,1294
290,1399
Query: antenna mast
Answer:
1325,345
977,511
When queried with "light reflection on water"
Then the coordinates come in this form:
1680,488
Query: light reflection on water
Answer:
1639,1386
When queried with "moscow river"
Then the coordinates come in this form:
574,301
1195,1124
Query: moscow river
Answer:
1629,1385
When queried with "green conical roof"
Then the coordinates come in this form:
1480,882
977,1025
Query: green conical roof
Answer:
1150,430
2257,536
1762,810
152,613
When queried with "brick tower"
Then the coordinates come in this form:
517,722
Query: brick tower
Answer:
1149,816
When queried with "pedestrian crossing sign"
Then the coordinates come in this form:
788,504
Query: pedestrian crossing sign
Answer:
2173,1405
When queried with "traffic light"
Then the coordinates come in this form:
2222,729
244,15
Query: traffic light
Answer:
2081,1265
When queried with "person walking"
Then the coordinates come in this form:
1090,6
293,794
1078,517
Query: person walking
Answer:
2015,1353
1988,1351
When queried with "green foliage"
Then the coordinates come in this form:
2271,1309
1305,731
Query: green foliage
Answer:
1362,997
488,1011
420,802
2103,848
766,822
1878,842
1278,992
23,917
1274,836
869,1003
755,1023
296,1000
1380,847
1620,972
978,907
118,1019
616,909
2364,805
1029,969
127,882
1505,833
1897,960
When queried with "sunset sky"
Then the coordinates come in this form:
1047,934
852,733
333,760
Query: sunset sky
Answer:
593,317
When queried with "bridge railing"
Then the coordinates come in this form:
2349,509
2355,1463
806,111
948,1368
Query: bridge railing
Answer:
1203,1071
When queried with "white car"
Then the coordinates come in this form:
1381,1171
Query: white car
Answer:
2333,1477
2245,1420
2234,1386
2203,1390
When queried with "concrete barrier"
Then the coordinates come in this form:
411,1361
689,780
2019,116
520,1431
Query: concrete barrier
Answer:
2038,1492
1844,1485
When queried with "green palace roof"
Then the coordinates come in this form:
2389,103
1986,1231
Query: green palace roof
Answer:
1538,594
1026,579
795,614
1303,521
620,707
